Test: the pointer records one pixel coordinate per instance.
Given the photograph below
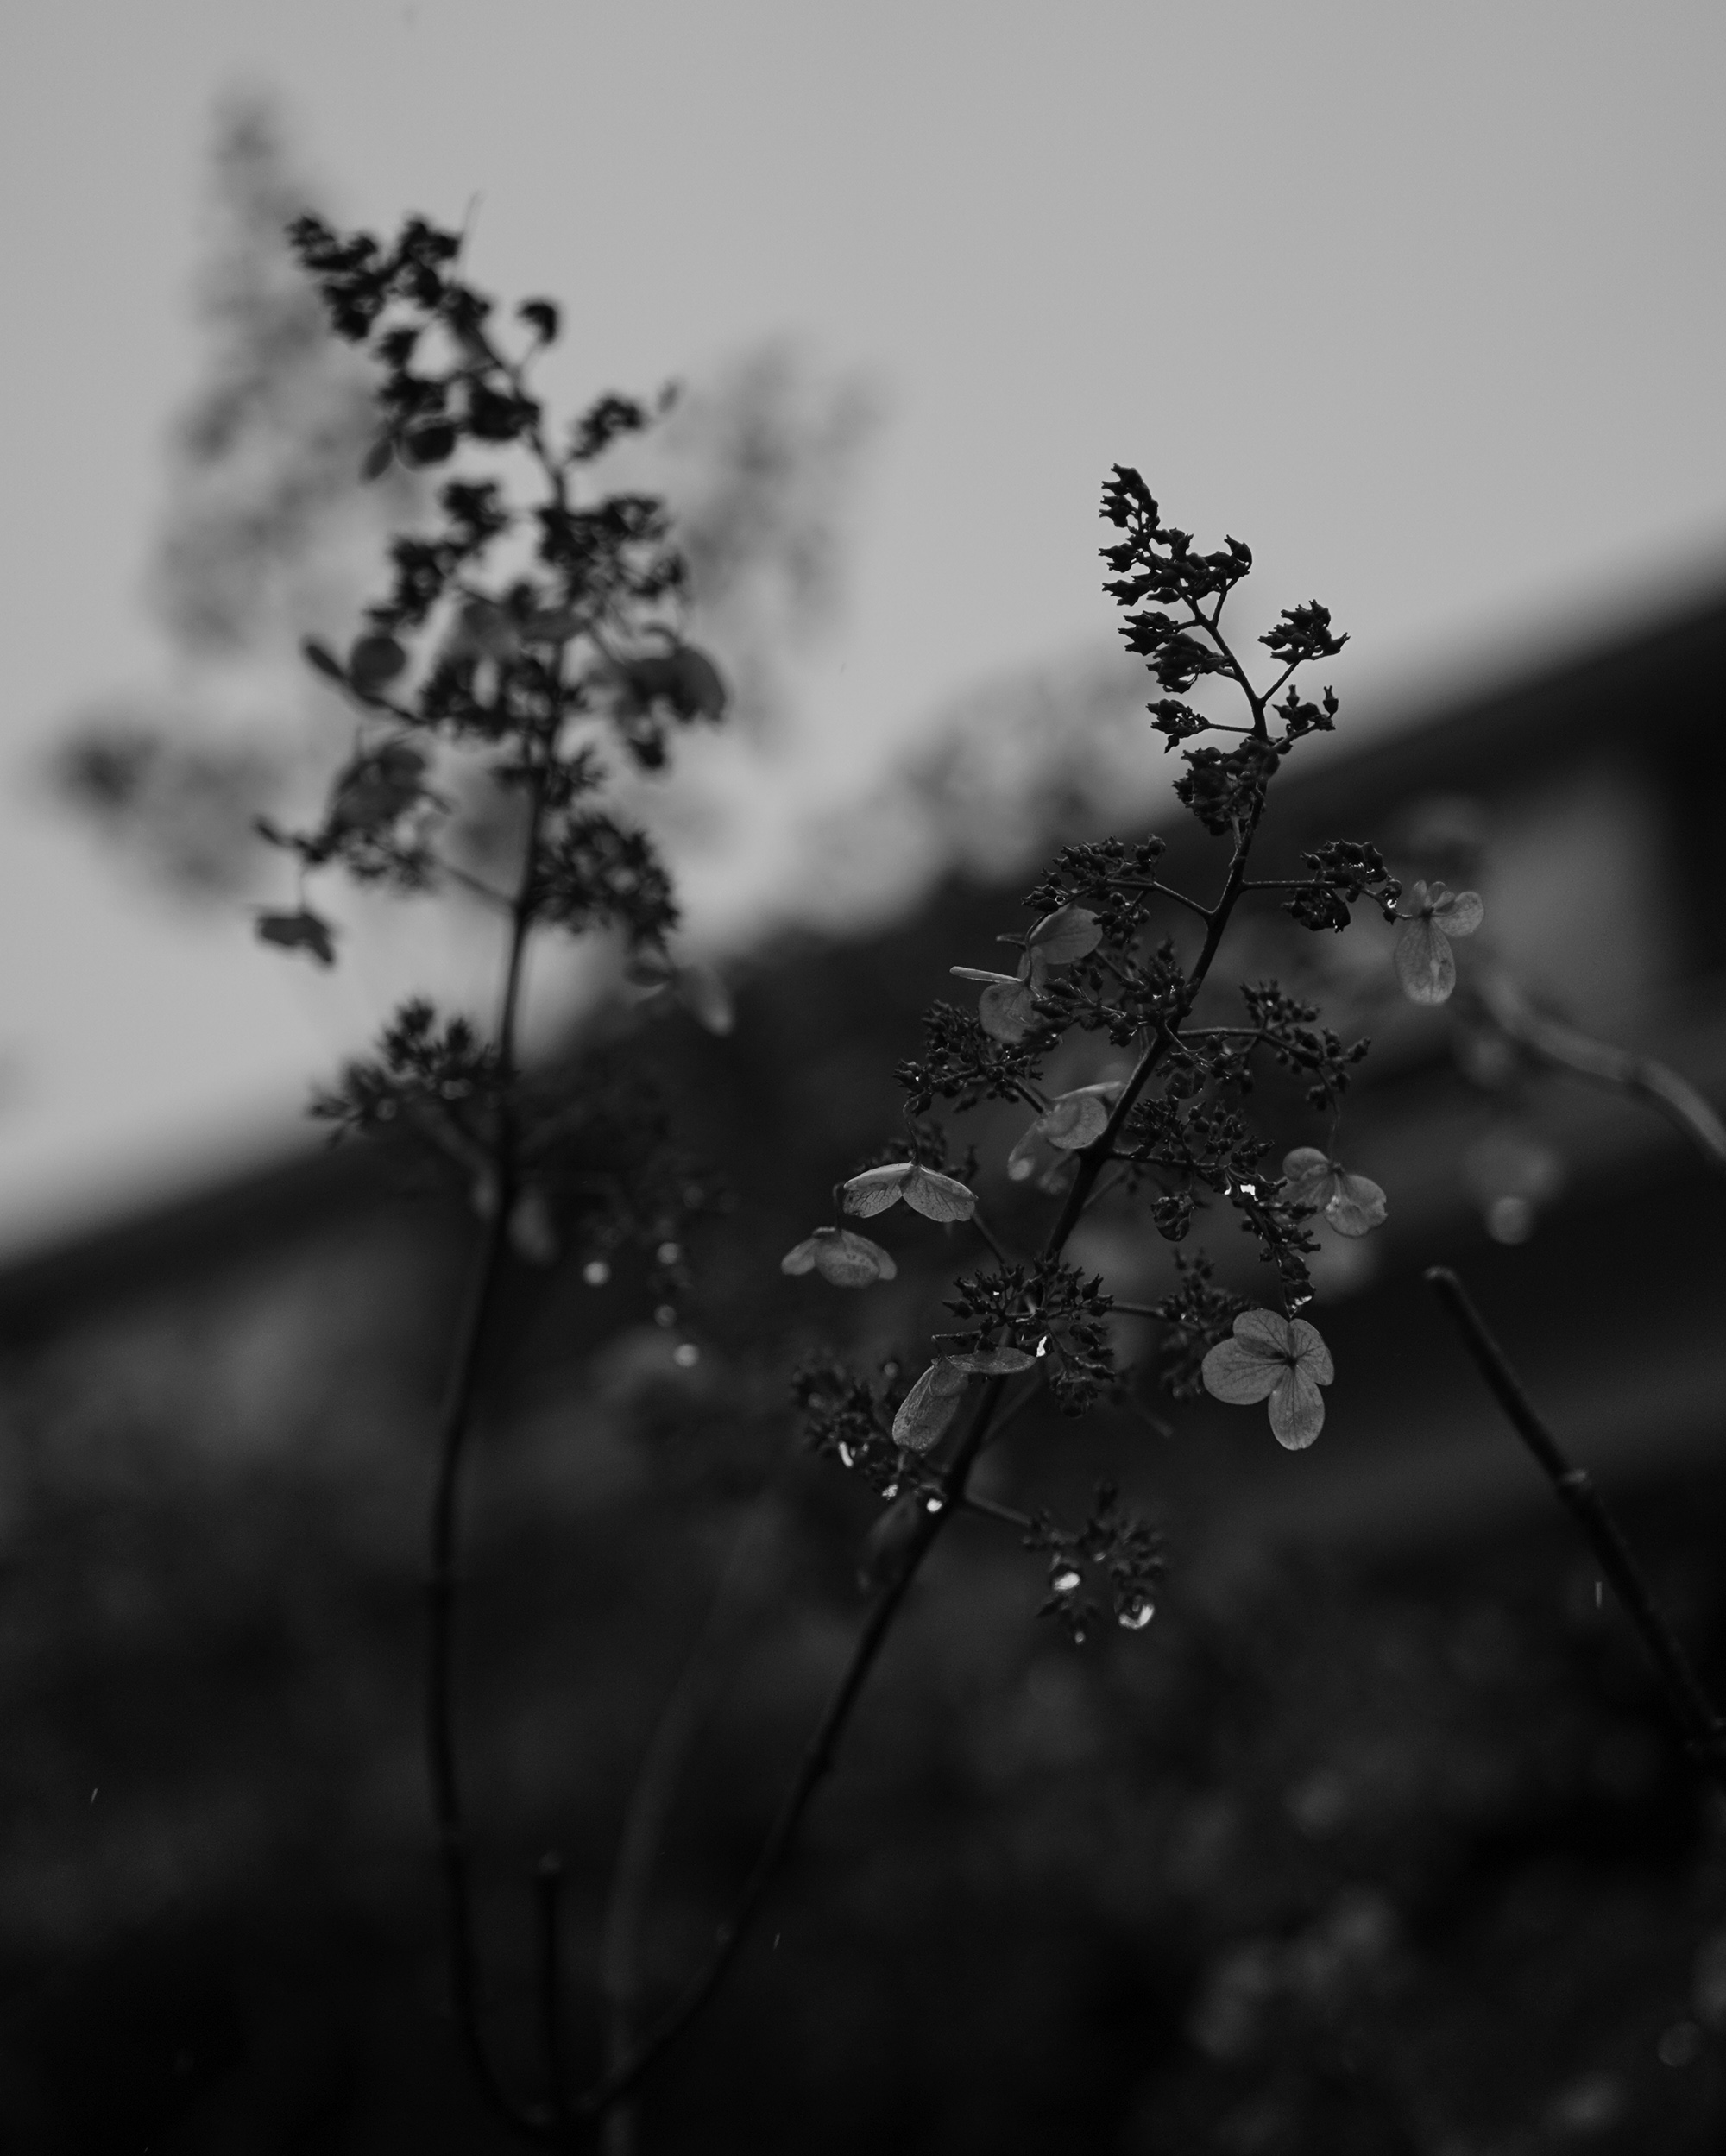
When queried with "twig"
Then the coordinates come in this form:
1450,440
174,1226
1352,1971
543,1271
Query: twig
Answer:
645,1817
440,1742
817,1762
1625,1071
1704,1729
455,1425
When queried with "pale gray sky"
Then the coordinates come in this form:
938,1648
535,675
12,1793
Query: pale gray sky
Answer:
1427,303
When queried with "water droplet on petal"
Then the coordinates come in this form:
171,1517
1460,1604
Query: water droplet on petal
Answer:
1065,1580
1137,1615
595,1272
847,1457
934,1505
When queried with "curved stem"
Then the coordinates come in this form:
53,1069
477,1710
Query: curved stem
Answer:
1703,1728
816,1763
648,1809
1565,1048
440,1739
454,1428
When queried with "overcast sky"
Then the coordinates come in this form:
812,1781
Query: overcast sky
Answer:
1427,303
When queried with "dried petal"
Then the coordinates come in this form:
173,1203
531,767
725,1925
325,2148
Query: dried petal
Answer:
1240,1374
876,1189
1077,1119
374,661
485,631
1357,1206
930,1406
1297,1412
376,788
1310,1351
1070,932
1424,963
938,1197
1308,1173
840,1258
698,687
304,931
1007,1011
1459,914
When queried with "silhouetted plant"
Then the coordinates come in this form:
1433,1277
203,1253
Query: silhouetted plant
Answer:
540,642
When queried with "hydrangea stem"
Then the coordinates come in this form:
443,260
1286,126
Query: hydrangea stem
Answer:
1703,1728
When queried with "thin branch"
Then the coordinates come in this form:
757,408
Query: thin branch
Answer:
453,1432
478,885
1703,1728
986,1509
816,1763
440,1742
647,1811
1566,1049
999,1249
1180,898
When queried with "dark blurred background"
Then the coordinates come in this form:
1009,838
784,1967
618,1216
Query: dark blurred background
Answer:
1377,1838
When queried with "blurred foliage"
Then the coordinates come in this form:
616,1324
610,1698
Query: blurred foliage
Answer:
1359,1856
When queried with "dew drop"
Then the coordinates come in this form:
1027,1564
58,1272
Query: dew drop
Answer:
595,1272
1065,1580
665,1314
932,1504
1137,1615
686,1355
669,1253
